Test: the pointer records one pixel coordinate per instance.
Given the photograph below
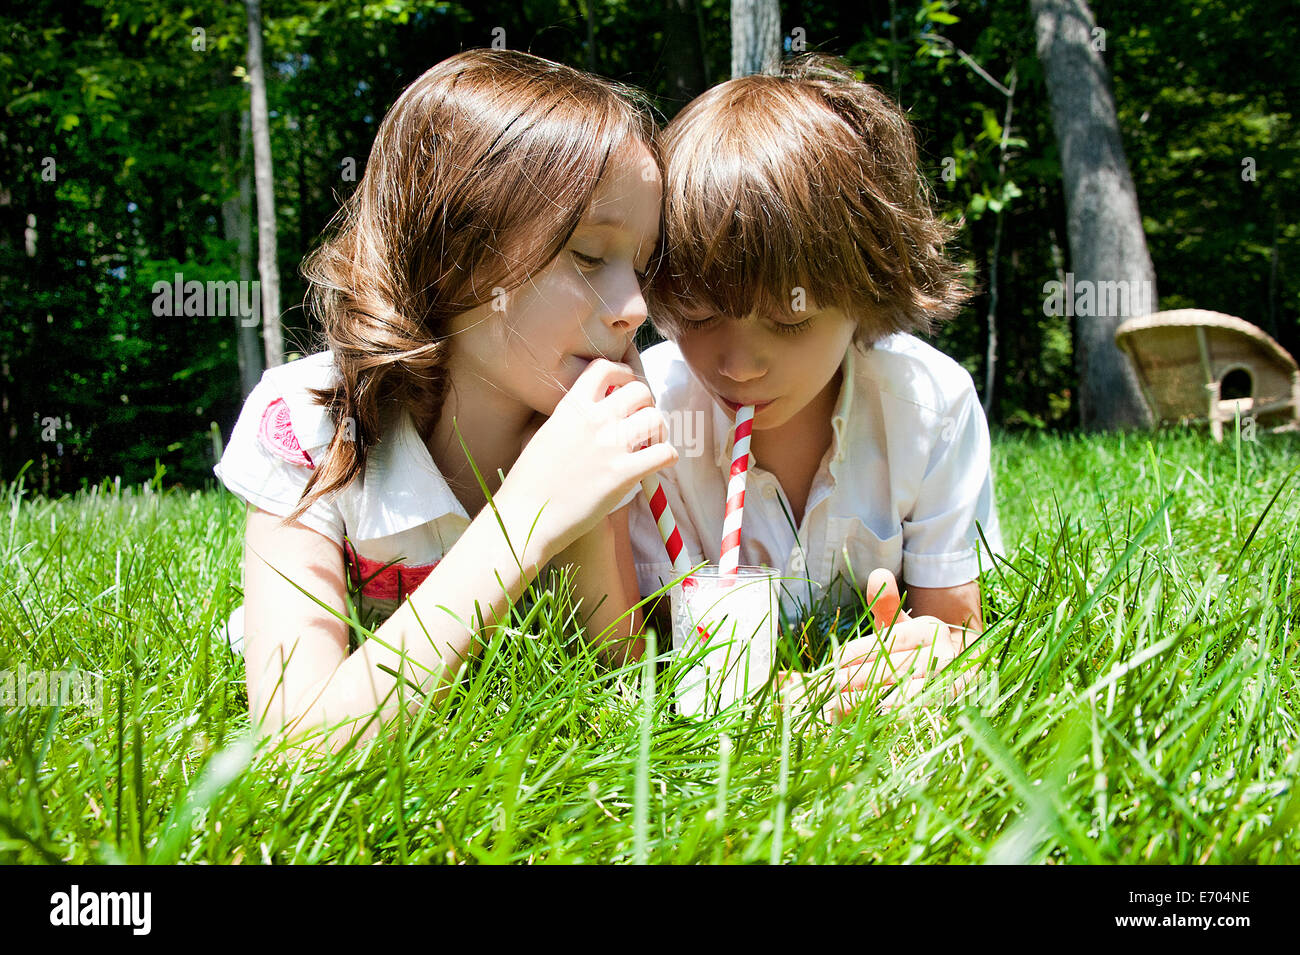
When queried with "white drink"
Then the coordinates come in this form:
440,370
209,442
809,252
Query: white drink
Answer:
733,622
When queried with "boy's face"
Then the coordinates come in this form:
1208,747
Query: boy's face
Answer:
777,367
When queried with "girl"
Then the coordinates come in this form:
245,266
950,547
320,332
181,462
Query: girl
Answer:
478,301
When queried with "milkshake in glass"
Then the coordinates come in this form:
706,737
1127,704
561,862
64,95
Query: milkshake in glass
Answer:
733,621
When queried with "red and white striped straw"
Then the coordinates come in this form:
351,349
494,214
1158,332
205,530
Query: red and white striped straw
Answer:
729,559
663,515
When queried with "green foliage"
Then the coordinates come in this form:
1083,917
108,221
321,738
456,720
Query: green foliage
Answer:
139,114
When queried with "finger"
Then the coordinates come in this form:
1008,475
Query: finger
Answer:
905,635
921,663
964,682
609,391
629,397
843,705
881,671
917,632
805,687
899,666
632,358
882,593
643,428
655,457
903,695
933,691
859,649
598,377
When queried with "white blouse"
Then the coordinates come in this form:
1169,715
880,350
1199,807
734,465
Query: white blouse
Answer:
904,484
394,523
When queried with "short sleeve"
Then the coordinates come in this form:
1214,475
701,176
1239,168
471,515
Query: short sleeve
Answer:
941,535
264,464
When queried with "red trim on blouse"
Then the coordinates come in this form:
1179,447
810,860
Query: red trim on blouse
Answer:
277,435
383,581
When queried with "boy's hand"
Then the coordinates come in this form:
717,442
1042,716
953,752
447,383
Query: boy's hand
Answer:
903,652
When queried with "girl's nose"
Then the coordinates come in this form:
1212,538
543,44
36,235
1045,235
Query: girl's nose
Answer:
627,309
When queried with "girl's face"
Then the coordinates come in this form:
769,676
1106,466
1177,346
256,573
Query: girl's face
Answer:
777,367
531,343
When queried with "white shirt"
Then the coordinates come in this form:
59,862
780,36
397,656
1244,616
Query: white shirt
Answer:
902,486
400,513
394,523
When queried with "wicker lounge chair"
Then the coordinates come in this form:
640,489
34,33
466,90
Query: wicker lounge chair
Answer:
1198,365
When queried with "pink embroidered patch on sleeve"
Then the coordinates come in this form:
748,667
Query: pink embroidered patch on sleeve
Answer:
277,435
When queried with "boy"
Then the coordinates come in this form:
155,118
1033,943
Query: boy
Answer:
801,252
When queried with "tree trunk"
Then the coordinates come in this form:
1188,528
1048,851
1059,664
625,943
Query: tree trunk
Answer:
1272,275
1107,244
991,356
237,220
683,55
991,320
755,37
268,270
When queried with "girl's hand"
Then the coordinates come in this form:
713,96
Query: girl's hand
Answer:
903,652
632,358
593,449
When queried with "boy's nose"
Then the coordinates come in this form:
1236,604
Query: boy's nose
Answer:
740,360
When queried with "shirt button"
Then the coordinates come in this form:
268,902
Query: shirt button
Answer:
769,491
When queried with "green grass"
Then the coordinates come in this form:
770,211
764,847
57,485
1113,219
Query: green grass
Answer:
1144,707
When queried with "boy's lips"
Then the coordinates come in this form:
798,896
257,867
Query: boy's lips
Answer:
737,405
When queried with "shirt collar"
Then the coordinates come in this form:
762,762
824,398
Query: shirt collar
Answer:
723,424
403,488
844,405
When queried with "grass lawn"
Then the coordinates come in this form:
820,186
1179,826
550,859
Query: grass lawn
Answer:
1143,636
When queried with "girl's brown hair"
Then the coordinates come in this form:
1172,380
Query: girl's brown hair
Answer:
804,181
477,179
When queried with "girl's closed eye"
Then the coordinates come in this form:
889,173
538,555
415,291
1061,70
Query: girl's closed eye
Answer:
587,262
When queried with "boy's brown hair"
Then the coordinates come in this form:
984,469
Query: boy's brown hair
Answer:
807,180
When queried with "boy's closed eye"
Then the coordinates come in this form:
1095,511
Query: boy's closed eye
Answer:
792,328
692,323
